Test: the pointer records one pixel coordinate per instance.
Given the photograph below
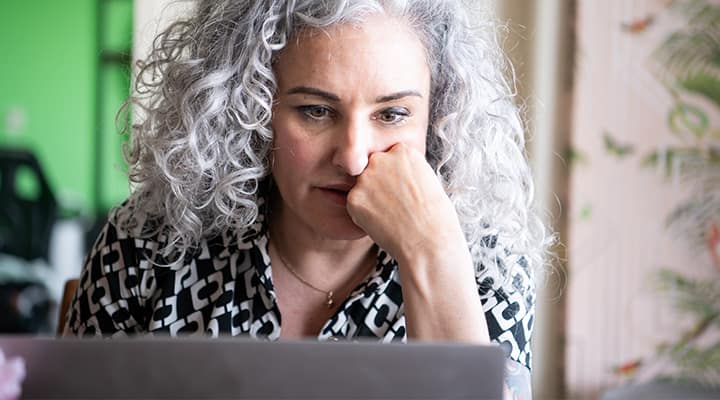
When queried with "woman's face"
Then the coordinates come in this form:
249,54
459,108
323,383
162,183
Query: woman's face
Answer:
343,93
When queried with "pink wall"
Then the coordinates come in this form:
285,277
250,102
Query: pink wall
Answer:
617,234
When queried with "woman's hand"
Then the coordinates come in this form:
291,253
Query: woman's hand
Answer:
402,206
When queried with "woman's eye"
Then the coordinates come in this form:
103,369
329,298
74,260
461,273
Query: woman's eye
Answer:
316,112
394,115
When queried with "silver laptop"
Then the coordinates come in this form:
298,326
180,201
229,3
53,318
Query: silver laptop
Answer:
249,369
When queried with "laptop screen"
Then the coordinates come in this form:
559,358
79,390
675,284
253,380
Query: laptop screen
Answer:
245,369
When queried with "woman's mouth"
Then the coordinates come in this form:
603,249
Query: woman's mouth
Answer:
336,195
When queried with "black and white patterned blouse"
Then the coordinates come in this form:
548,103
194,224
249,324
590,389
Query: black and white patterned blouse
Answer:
226,287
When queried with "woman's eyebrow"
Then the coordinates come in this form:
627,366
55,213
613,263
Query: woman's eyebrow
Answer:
335,98
398,95
314,92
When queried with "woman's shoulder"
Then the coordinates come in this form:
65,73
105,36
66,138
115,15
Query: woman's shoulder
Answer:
125,237
134,230
132,219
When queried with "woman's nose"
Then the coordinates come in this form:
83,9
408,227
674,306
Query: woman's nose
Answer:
353,147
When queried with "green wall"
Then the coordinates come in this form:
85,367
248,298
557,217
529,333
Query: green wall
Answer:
116,34
49,92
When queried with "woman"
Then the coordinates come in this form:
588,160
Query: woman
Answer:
334,169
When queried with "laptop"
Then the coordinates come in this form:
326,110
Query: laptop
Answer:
239,368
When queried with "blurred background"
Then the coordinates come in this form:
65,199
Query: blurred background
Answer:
64,74
622,103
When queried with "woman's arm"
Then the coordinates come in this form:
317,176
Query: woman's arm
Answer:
400,203
402,206
518,383
440,294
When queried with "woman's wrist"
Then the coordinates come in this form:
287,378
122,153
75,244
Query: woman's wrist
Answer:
441,247
435,272
441,298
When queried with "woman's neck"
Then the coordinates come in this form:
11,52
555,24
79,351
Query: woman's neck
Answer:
321,260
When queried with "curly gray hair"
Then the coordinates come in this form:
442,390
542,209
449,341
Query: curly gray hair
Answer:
200,151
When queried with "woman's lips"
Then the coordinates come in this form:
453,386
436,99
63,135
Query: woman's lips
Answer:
335,196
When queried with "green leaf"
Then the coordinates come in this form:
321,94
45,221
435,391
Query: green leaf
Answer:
615,148
575,156
685,118
690,57
586,212
681,160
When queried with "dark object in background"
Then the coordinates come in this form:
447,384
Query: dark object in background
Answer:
28,212
24,308
26,216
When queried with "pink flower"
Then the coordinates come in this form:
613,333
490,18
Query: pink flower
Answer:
713,242
12,373
629,368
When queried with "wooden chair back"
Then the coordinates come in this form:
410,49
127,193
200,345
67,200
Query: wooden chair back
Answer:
67,298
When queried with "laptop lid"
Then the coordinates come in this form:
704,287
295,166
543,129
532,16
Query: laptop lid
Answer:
249,369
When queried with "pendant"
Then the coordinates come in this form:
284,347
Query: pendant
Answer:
330,302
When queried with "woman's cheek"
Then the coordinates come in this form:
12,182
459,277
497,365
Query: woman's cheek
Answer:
300,152
415,136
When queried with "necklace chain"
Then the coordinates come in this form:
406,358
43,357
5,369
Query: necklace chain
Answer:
329,302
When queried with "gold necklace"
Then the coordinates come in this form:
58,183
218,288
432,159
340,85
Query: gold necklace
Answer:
329,302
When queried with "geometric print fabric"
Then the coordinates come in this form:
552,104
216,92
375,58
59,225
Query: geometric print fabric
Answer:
225,288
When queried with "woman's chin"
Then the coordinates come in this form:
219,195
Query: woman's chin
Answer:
341,230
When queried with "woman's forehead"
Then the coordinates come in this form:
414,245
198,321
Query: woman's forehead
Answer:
381,52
